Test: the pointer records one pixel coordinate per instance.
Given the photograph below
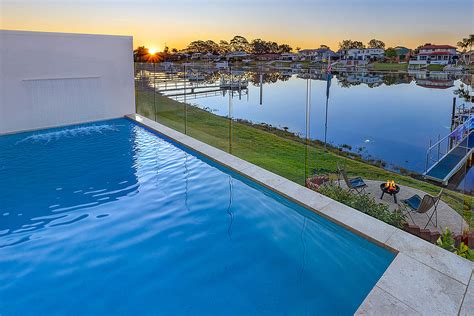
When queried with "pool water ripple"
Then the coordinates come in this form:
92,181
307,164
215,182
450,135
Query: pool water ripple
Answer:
122,221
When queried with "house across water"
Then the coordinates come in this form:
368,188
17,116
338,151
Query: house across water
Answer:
435,55
360,57
317,55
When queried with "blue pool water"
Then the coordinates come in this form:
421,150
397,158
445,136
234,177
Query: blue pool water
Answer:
108,218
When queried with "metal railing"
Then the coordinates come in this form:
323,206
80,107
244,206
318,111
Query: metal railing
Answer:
450,141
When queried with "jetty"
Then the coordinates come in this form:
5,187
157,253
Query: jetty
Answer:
460,150
235,84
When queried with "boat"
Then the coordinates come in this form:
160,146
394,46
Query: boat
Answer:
453,68
233,84
222,65
195,77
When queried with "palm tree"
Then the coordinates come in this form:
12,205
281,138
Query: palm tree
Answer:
140,53
463,44
466,42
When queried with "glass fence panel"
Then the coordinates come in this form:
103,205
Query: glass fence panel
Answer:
156,95
313,127
207,117
144,95
262,133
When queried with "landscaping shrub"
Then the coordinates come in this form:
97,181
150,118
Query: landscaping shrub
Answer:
446,241
364,203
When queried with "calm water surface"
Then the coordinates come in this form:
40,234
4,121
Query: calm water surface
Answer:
393,122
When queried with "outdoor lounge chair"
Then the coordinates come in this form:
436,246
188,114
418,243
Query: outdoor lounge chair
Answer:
415,204
356,184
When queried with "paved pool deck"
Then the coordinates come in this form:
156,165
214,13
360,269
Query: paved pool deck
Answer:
423,279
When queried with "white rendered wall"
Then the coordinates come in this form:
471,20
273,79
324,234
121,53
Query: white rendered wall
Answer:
54,79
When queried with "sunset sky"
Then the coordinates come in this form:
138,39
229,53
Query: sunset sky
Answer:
300,23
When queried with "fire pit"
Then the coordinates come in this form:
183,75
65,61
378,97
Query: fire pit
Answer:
391,188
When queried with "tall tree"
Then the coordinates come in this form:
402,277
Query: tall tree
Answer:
273,47
375,43
390,53
463,44
203,47
348,44
357,44
140,53
345,44
196,47
239,43
284,48
212,47
466,42
259,46
224,47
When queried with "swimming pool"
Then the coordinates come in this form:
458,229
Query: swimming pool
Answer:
110,217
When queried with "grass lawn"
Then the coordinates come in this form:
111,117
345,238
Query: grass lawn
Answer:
389,66
435,67
275,150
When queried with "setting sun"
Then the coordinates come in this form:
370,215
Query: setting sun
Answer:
153,51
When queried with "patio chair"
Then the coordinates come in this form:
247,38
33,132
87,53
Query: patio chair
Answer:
356,184
415,204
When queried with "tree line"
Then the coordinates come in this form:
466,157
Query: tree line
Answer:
259,46
373,43
237,43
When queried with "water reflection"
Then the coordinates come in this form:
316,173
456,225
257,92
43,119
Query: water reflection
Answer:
42,189
387,118
229,208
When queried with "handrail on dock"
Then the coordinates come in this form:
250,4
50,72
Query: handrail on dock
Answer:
460,127
460,147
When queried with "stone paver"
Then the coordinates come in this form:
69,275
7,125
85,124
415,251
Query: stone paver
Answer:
467,308
447,216
302,195
379,302
421,287
265,177
436,257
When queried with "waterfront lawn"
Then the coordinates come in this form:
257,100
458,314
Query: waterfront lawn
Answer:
274,149
435,67
379,66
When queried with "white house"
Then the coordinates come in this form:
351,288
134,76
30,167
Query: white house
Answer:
288,57
237,54
363,54
355,57
369,79
316,55
209,57
307,54
434,81
435,55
